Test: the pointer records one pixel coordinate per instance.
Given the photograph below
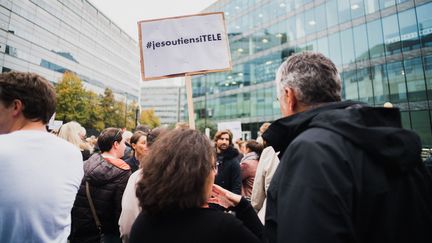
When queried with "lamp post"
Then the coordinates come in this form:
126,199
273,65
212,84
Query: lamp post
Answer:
125,119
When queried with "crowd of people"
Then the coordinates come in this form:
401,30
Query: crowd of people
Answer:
327,171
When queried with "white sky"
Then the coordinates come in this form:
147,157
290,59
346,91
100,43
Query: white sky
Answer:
126,14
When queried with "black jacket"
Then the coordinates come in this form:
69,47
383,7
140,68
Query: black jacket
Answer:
228,175
197,225
107,183
348,173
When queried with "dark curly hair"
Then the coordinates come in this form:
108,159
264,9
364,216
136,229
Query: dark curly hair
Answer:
175,173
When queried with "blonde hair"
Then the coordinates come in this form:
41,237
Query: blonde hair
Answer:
72,132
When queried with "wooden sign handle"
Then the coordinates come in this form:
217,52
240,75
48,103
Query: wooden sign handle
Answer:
191,111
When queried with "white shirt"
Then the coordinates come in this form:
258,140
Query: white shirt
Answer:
39,177
130,206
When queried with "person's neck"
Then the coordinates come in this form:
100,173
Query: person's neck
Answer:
25,124
109,154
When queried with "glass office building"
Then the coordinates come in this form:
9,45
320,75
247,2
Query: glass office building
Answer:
168,101
382,48
50,37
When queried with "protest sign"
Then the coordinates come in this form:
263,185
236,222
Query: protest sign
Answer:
184,46
177,46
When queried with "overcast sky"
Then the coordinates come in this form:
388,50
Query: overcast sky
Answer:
126,13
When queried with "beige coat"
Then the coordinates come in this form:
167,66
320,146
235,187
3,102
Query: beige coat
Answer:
130,206
267,166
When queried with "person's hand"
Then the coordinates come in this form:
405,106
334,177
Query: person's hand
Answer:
224,197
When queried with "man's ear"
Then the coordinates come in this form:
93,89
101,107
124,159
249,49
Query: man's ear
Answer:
115,144
291,98
17,107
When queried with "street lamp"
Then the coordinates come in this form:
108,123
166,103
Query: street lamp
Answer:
125,118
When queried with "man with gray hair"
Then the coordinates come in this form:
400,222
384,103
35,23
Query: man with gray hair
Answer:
348,172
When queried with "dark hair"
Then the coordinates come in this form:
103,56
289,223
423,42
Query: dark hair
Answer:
254,146
154,134
219,134
107,138
35,93
136,136
175,173
143,128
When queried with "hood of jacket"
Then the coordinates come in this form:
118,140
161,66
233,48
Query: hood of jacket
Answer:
99,171
228,153
378,131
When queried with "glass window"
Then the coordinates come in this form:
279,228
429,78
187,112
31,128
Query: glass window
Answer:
415,80
365,89
427,65
408,30
348,53
406,121
291,29
344,11
372,6
424,18
268,102
332,13
378,76
386,3
421,124
396,77
323,46
350,88
375,39
320,18
310,22
335,49
300,26
361,43
391,34
357,8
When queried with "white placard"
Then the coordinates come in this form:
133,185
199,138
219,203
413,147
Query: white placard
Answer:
55,125
183,45
233,126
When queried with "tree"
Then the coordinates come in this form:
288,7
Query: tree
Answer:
71,104
148,117
110,112
201,125
131,113
95,119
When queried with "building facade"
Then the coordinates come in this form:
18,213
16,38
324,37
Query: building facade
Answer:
50,37
382,48
168,101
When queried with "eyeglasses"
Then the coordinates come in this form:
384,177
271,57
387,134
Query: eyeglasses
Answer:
215,167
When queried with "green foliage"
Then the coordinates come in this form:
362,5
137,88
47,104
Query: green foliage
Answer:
202,124
71,101
148,117
74,103
131,115
95,118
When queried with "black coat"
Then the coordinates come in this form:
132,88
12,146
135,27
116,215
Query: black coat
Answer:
228,175
107,183
347,174
198,225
